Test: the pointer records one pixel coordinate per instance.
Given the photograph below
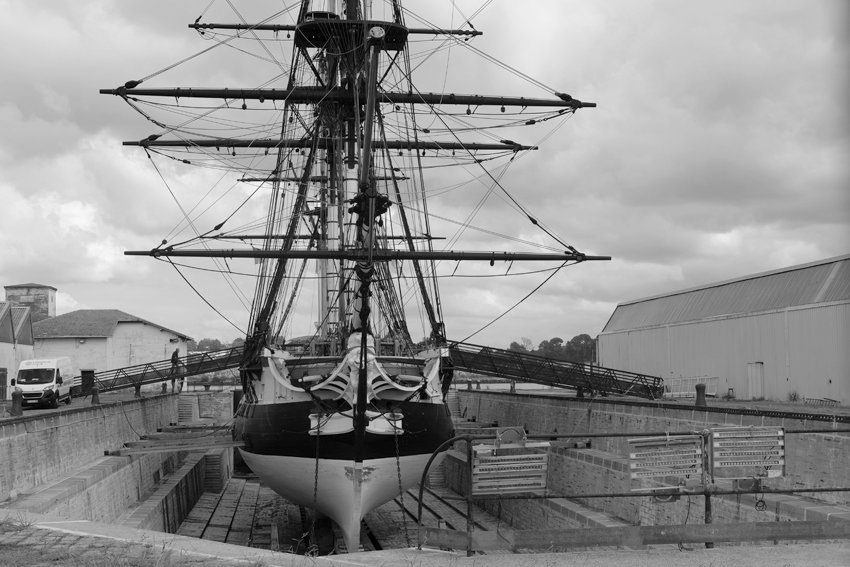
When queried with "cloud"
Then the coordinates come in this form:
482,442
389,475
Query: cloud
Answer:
718,149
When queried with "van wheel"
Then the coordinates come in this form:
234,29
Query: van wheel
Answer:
55,403
68,399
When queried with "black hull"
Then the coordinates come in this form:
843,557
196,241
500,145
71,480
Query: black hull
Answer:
282,430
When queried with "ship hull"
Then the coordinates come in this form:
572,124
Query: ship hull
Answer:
322,471
338,489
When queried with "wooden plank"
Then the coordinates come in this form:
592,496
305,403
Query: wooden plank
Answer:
210,441
205,433
191,528
165,448
452,539
188,427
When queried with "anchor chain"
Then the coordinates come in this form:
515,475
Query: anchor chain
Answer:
400,490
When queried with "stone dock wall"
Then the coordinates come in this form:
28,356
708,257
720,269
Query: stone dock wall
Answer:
37,450
813,460
58,464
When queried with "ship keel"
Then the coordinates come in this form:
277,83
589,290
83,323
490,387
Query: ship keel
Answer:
344,491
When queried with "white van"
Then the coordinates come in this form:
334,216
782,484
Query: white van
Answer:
46,381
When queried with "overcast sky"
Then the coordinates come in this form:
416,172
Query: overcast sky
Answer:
719,148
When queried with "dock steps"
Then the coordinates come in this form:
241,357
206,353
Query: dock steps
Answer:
437,476
453,402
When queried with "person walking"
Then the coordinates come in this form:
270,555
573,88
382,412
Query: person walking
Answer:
175,366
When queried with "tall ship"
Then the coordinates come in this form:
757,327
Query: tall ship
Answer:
343,404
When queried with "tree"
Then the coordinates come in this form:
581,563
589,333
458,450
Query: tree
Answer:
582,348
237,342
553,348
207,345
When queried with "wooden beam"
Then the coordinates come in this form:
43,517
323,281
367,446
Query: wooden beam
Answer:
168,447
629,536
455,539
688,533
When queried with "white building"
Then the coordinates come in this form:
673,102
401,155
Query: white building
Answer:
104,339
778,335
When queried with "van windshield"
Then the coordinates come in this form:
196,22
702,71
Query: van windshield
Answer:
35,375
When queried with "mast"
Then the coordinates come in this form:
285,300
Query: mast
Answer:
368,209
340,54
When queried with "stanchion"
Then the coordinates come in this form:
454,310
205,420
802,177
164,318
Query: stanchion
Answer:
470,456
700,396
95,396
17,403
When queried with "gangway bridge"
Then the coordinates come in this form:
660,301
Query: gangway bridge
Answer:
585,378
163,370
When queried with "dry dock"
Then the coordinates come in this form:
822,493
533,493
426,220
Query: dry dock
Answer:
79,487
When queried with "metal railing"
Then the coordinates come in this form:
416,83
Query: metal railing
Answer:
585,378
682,387
162,370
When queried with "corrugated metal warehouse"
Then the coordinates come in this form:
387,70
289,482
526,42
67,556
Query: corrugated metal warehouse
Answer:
778,335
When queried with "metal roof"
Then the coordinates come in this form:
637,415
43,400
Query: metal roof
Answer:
15,323
816,282
35,285
89,323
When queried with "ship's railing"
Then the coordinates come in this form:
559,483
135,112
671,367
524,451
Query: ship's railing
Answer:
586,378
162,370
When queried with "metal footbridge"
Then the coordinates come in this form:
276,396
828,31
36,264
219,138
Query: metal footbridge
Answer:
586,379
163,370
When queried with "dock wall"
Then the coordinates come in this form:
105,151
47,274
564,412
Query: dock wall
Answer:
814,460
101,492
59,464
35,451
173,499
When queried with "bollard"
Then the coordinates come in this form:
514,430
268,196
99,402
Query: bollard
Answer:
95,396
138,389
700,396
17,403
513,386
164,388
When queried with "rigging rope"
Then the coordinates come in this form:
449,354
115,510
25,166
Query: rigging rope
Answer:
132,84
228,280
204,299
515,305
